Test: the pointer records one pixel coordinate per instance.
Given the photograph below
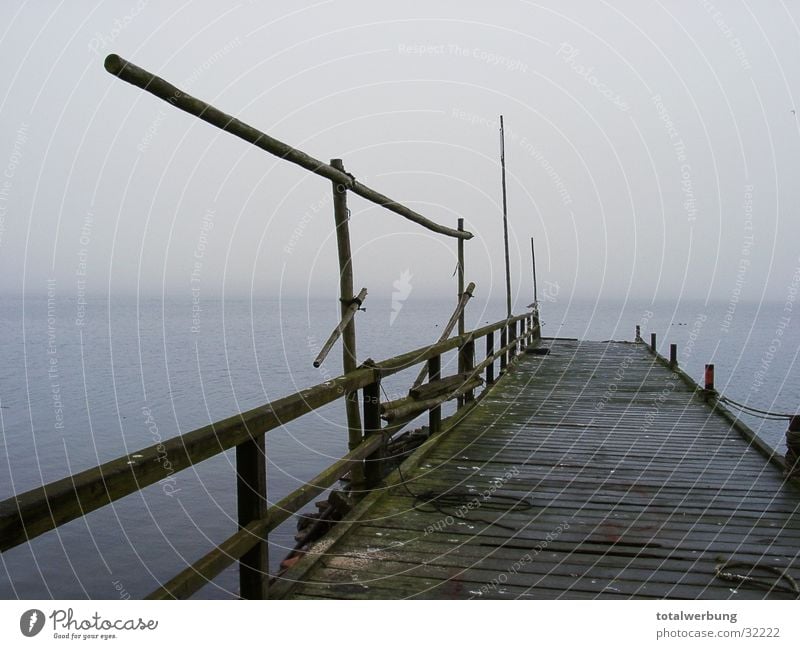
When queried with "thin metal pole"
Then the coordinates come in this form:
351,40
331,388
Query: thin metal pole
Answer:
460,276
533,264
349,362
505,215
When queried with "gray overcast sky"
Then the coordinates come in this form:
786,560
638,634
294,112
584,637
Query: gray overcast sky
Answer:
651,146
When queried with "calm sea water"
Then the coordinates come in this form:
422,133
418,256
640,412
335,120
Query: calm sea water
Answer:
81,385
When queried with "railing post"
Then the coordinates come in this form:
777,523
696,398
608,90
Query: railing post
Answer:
469,364
512,335
349,362
709,378
638,333
434,414
503,343
251,504
652,342
673,355
373,465
489,353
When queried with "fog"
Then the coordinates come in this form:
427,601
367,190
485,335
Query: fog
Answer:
651,148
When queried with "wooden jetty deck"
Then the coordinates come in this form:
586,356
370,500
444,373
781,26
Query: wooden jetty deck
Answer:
629,484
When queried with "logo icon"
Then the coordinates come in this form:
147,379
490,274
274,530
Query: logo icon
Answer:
402,289
31,622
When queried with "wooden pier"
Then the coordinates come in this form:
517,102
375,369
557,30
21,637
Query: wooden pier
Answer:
593,471
569,470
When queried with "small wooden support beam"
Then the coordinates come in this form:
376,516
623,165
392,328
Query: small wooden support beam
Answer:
466,296
673,355
435,414
351,309
652,342
373,465
638,333
512,338
489,354
251,505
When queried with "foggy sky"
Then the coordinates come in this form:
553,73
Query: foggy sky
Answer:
651,147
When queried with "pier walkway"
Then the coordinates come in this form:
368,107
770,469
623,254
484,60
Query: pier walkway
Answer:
590,472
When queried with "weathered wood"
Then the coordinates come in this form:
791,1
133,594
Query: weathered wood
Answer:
372,426
432,388
535,305
503,343
349,357
457,316
190,580
413,406
460,269
650,502
490,355
160,88
251,504
351,309
435,414
27,515
468,354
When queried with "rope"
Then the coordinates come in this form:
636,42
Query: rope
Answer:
723,571
455,498
754,412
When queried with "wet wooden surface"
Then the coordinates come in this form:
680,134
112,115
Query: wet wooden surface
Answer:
593,472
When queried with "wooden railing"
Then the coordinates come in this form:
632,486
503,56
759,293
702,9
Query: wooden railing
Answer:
27,515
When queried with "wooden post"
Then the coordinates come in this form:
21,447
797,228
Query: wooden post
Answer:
349,362
673,355
251,504
503,343
489,353
512,334
653,342
373,465
434,414
638,333
505,215
792,456
469,364
709,378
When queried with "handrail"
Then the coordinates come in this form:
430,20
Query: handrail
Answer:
162,89
39,510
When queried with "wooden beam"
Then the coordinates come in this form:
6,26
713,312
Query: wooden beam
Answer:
354,306
162,89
